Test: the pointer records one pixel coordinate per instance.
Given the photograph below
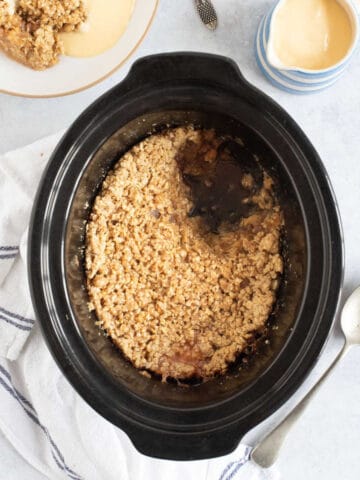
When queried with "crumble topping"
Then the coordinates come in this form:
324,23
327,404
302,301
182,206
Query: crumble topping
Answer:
29,29
176,297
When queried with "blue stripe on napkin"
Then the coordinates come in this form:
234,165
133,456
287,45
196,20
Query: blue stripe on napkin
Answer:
8,251
6,383
16,316
26,328
232,468
6,256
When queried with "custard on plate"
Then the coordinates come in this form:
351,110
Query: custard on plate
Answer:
36,32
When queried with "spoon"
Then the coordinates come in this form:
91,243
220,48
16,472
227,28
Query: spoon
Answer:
267,450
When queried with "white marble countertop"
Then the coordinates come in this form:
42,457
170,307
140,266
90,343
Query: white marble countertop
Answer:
324,444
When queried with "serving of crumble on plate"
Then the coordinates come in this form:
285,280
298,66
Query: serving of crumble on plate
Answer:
29,29
30,33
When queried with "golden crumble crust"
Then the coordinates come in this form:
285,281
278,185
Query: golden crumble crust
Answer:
176,299
29,35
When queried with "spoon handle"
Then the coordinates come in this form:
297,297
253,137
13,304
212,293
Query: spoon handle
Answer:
267,450
207,13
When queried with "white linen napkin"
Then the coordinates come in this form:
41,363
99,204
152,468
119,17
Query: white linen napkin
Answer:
20,173
42,416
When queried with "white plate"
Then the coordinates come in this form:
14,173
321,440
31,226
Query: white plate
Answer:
71,75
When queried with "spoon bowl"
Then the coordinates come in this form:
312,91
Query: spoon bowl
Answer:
350,319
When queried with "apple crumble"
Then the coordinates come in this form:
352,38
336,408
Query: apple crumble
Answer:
29,29
183,256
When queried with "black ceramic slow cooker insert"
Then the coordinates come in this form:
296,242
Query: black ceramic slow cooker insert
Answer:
166,420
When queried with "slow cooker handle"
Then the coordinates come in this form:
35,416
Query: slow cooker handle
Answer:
191,446
182,66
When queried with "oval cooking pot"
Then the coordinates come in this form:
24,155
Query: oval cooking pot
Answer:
163,419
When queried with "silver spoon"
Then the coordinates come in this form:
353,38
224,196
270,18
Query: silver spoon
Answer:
267,451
